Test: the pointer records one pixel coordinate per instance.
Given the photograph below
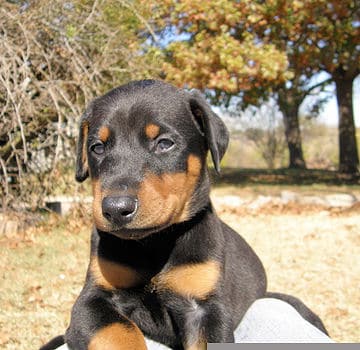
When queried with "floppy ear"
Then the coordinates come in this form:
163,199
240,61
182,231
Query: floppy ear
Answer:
82,166
214,129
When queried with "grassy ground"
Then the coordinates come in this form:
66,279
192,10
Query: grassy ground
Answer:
313,254
284,177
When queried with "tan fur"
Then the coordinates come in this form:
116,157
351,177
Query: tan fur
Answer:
118,337
152,131
170,194
104,133
111,275
193,171
199,345
98,195
192,280
85,132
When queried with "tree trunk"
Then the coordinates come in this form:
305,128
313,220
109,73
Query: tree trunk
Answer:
289,102
348,152
293,139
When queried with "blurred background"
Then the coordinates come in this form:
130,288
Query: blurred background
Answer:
283,75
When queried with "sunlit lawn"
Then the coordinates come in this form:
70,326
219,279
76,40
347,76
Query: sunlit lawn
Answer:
314,256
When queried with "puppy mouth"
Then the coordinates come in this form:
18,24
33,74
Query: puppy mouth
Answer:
131,231
137,233
139,226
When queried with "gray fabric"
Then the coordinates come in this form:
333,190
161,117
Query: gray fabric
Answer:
268,320
275,321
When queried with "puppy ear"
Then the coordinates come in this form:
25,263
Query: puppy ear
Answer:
82,166
213,128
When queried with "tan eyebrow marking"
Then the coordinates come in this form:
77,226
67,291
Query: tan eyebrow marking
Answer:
104,133
152,131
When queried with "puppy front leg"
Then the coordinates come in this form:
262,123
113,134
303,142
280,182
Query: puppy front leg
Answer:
190,292
217,324
95,325
214,326
198,321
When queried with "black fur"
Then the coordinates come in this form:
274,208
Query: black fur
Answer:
163,315
54,343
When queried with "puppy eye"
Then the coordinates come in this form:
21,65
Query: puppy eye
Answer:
163,145
98,148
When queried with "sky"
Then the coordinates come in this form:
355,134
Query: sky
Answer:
329,114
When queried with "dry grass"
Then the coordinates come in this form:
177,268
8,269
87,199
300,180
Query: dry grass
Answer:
313,255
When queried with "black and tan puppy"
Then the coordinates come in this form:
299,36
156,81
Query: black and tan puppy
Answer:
162,264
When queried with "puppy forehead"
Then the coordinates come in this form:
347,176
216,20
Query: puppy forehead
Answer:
133,113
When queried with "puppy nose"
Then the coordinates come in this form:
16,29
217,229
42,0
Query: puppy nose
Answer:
119,210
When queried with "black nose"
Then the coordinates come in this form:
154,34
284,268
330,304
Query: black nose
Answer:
119,210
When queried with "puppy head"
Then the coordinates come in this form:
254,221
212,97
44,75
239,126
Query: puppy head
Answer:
144,145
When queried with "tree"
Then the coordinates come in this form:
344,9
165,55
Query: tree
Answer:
54,58
279,26
217,50
339,54
255,49
227,49
322,35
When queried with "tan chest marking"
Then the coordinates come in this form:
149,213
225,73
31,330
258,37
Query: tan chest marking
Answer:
193,280
199,345
118,337
111,275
